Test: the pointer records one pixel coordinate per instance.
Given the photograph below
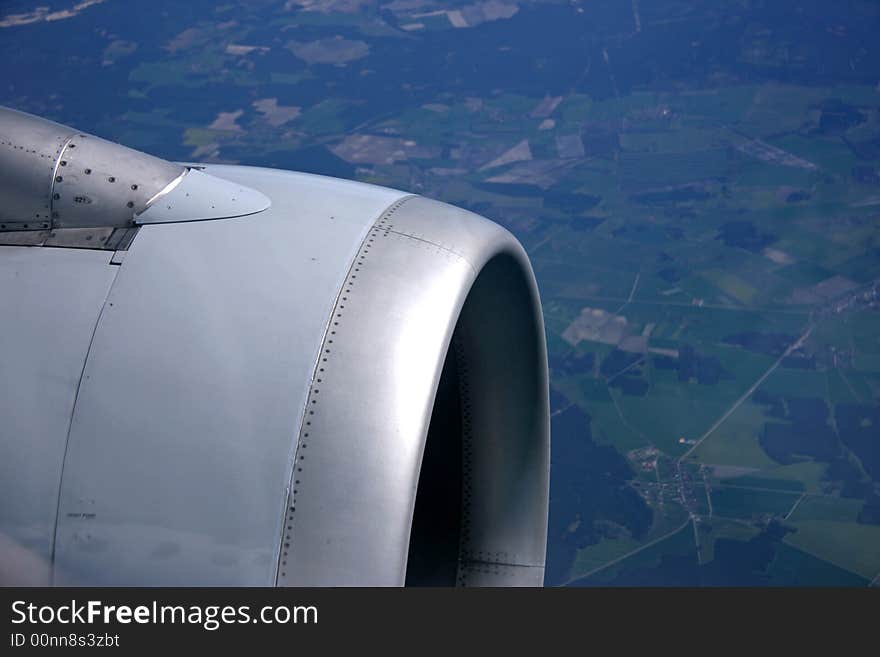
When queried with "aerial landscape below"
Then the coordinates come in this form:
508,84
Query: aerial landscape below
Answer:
697,185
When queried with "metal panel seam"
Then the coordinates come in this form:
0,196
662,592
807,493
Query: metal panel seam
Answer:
481,562
439,246
292,457
116,270
55,175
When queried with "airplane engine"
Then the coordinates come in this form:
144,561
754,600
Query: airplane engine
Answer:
227,375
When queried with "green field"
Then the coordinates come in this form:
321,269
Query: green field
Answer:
796,383
786,485
825,508
794,567
848,545
735,442
733,502
679,543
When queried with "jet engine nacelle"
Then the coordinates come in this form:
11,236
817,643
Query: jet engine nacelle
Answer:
241,376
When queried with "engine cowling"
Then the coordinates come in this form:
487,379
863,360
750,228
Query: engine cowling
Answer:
284,379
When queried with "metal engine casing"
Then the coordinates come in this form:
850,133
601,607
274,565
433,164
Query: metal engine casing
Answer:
345,386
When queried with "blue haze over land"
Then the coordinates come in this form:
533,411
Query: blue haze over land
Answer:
697,183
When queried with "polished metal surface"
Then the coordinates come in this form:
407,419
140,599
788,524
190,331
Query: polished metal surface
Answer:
200,196
100,183
424,269
30,148
52,176
105,239
24,237
264,395
182,440
50,300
